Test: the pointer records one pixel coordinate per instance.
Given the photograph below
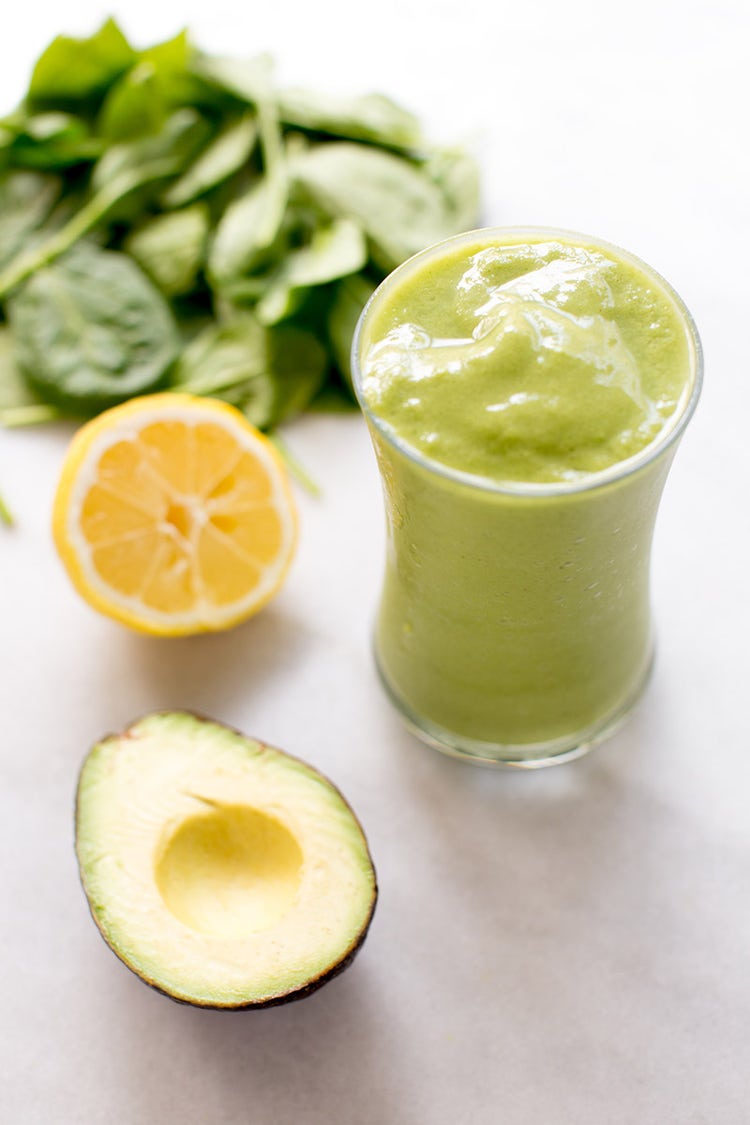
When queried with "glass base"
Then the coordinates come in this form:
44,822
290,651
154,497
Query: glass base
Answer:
527,755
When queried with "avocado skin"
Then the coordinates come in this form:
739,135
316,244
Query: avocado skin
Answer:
273,1001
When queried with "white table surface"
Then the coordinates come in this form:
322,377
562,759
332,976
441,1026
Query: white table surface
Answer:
567,946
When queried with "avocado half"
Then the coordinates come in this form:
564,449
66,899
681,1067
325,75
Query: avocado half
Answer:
223,872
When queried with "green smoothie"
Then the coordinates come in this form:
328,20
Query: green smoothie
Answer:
524,392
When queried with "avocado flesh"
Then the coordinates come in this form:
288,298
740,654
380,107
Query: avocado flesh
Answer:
222,871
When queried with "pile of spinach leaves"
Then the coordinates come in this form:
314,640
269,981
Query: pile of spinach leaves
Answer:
173,219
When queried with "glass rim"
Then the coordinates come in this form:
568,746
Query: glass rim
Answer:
613,474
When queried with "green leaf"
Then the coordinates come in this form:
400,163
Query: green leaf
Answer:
298,364
246,230
6,516
242,291
44,251
175,81
15,393
352,294
170,248
335,249
135,106
399,207
246,80
121,177
269,374
171,55
170,151
136,171
7,136
373,117
91,330
50,141
26,200
230,361
456,174
222,356
73,71
334,398
227,154
32,415
293,465
251,224
140,102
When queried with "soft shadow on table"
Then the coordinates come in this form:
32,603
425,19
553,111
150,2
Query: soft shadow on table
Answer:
570,898
557,831
317,1060
210,672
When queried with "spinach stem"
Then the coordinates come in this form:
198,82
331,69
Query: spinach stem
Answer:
294,466
12,416
28,262
6,516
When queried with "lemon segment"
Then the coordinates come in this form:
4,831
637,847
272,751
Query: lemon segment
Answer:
174,515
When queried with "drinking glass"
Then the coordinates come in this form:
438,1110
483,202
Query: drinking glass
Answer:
514,624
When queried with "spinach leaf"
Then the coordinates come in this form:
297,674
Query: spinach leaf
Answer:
174,82
456,174
246,230
7,136
74,71
298,364
399,207
336,249
91,330
26,199
14,390
131,175
184,132
251,224
135,106
229,361
373,117
268,374
352,294
170,248
246,80
50,141
19,405
171,56
227,154
121,173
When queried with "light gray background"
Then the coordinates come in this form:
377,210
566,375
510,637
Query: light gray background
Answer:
571,946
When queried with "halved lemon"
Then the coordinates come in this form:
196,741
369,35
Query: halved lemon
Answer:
174,515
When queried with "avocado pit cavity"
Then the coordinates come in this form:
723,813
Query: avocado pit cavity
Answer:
229,872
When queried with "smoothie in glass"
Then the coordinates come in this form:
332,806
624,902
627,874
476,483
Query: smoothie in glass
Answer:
525,390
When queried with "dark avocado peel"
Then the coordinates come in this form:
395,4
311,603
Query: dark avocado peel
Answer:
223,872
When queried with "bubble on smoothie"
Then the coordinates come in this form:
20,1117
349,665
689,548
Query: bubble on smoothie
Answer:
408,353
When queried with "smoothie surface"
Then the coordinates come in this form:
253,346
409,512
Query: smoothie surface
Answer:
525,358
